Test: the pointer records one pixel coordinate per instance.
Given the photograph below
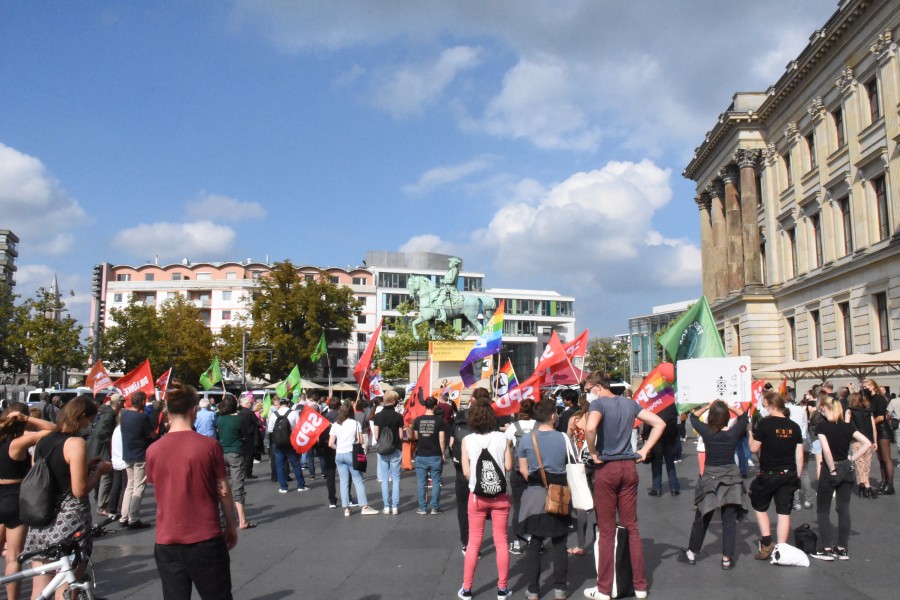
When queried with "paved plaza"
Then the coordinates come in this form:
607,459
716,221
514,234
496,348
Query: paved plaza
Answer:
303,549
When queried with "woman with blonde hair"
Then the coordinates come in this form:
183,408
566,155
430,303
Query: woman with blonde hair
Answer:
860,415
836,477
884,436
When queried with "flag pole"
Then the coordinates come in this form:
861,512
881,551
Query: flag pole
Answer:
330,383
493,375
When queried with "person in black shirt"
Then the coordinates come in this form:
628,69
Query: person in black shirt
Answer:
779,443
885,437
428,431
860,415
664,450
570,402
720,486
836,477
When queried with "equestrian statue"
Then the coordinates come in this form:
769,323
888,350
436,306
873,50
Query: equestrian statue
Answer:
446,303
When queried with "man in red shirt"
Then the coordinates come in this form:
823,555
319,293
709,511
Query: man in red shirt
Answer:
191,547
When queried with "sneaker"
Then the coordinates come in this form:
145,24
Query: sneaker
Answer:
515,548
821,554
464,593
807,504
367,510
558,594
353,504
332,505
503,593
765,551
138,525
346,512
395,511
797,507
841,553
436,511
421,511
596,594
303,489
640,594
281,491
464,551
386,510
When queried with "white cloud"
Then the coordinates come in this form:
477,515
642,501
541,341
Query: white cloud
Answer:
406,91
34,205
224,208
201,240
429,243
438,176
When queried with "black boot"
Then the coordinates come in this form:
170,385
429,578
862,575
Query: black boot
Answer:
888,489
861,491
871,493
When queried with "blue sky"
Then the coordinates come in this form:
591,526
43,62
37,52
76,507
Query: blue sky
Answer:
541,142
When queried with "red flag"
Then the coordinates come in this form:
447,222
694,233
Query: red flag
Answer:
570,372
782,389
509,404
309,427
361,370
757,388
162,382
553,355
415,404
98,379
139,379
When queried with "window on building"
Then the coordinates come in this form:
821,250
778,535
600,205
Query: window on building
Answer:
788,177
392,301
816,332
256,274
231,275
170,295
874,103
881,205
472,284
117,297
361,338
334,279
149,276
840,134
123,277
882,322
392,280
846,326
309,277
176,276
811,148
816,224
758,188
846,224
226,295
226,315
361,319
359,281
762,262
737,339
204,276
792,338
792,247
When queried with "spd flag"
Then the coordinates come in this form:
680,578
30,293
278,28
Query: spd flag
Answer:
657,391
415,404
553,355
309,427
98,379
140,379
162,382
571,372
509,404
361,370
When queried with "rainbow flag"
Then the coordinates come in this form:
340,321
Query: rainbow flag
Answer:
657,391
488,343
506,379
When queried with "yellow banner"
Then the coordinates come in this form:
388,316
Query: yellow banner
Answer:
450,351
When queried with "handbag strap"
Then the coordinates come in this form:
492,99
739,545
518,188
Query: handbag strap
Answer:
537,452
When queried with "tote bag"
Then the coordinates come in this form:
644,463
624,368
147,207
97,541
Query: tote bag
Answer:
582,498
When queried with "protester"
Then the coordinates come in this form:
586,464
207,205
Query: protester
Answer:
570,407
326,453
15,442
515,431
893,415
720,486
428,431
664,450
797,413
205,423
836,478
345,432
860,416
458,433
616,478
137,433
191,546
778,442
119,475
484,437
99,445
230,430
576,432
280,425
251,433
389,461
885,436
543,455
73,477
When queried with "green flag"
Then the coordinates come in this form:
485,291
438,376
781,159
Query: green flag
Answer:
212,375
321,349
286,388
266,407
693,335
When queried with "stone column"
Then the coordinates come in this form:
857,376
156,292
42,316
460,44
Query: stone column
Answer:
717,218
706,246
734,245
747,161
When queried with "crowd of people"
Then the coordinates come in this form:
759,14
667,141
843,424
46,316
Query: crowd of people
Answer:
511,470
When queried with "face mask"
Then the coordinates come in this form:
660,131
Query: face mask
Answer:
84,431
591,397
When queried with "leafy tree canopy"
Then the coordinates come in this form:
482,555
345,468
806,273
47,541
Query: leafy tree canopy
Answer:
611,355
400,343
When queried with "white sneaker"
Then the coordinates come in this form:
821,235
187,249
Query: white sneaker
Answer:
368,511
596,594
395,511
386,510
640,594
346,512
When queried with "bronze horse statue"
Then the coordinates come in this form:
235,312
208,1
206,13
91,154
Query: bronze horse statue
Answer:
433,309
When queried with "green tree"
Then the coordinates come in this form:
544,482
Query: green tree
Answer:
12,355
290,314
135,337
608,354
396,347
185,341
48,336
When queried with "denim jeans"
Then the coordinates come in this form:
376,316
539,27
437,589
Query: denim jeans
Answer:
664,452
346,471
743,455
291,457
389,468
424,466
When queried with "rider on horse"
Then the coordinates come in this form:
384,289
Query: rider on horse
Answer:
448,294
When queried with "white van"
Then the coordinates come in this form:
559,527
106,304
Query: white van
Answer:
34,396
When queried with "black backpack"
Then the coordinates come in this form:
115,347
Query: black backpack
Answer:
460,430
490,479
281,431
37,500
385,443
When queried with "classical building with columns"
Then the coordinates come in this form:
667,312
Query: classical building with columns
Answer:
799,195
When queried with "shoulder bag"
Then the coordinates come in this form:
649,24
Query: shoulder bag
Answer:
582,499
558,496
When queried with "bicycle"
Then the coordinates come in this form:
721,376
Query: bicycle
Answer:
68,555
